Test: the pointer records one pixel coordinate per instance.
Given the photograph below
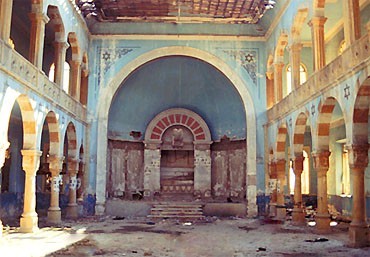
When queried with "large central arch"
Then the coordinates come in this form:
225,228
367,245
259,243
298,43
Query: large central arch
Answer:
108,93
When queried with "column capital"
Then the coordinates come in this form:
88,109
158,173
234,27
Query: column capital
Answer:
60,44
280,165
321,160
295,47
278,65
55,164
37,17
358,155
317,21
31,160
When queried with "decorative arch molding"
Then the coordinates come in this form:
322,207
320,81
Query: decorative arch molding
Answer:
299,130
281,141
298,22
108,93
178,116
280,47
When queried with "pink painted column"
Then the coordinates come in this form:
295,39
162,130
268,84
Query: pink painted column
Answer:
321,163
6,7
358,162
55,167
59,59
280,169
72,208
3,147
29,219
38,21
318,41
298,212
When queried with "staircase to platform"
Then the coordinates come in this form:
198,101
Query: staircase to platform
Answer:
177,210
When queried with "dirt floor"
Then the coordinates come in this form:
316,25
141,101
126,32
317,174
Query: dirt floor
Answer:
212,237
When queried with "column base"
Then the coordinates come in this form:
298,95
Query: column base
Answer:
359,235
72,211
280,213
28,223
272,210
322,222
298,217
252,210
54,216
99,208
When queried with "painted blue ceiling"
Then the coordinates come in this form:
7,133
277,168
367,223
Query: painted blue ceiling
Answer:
177,82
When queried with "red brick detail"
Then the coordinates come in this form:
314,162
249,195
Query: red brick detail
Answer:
190,121
360,115
200,137
154,136
195,125
172,118
178,118
327,108
183,118
323,129
157,130
198,130
165,121
298,138
161,125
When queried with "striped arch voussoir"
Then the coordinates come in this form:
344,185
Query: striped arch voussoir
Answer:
72,142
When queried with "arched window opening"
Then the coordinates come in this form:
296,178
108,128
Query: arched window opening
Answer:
342,47
52,72
65,75
346,184
291,178
303,76
306,174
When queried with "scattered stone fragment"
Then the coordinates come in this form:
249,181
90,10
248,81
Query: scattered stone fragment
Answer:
319,239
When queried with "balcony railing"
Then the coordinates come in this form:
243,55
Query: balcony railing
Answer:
353,59
29,76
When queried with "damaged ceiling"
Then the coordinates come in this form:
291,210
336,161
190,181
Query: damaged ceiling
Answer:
186,11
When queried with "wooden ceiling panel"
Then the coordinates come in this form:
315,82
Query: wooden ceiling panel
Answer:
224,11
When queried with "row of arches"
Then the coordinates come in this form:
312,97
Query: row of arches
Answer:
41,155
338,155
38,32
294,44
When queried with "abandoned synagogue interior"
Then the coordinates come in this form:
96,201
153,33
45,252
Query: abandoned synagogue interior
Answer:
185,109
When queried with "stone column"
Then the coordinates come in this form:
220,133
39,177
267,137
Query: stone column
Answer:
6,7
352,22
84,87
273,188
202,169
280,171
298,214
72,208
278,81
38,21
3,147
74,88
55,167
59,59
295,62
321,164
152,174
358,162
318,41
29,219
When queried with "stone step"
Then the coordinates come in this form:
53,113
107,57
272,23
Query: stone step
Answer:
177,210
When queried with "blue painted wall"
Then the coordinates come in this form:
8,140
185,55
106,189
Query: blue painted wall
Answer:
177,81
